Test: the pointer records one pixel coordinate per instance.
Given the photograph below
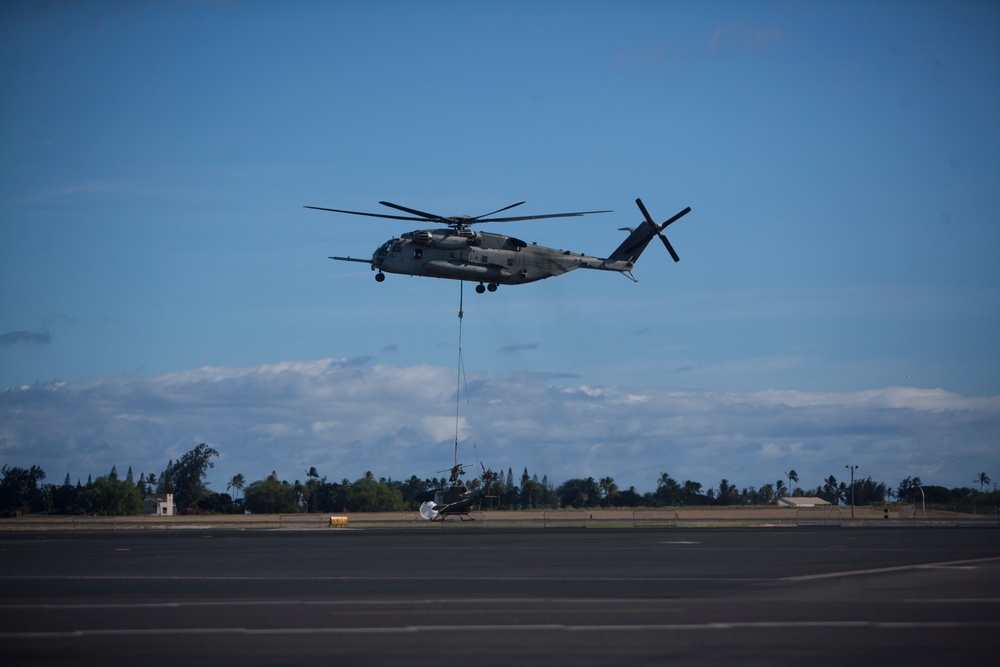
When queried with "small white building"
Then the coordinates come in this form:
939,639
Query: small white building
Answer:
160,504
802,502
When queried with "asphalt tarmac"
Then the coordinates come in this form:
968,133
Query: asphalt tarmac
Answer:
836,596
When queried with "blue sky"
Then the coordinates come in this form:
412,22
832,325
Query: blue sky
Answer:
837,302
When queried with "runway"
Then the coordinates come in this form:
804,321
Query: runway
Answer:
531,597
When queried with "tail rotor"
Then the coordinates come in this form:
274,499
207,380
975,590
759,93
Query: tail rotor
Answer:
660,228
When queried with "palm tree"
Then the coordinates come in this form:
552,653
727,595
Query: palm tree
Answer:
792,477
983,480
830,491
667,489
609,489
237,482
780,490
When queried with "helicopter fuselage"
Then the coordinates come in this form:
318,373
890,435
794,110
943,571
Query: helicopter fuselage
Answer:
485,257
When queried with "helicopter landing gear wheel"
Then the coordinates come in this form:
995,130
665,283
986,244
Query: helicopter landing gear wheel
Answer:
492,287
379,277
480,288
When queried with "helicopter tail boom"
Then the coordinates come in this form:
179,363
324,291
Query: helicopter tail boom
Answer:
640,237
636,242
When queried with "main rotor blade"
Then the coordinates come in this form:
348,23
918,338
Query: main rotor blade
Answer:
371,215
676,218
669,247
499,210
428,216
539,217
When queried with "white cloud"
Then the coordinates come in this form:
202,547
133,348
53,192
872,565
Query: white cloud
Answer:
344,417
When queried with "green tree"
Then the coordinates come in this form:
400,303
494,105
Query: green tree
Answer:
150,485
668,490
270,496
165,482
369,495
413,491
830,492
308,491
579,493
630,498
108,496
728,494
188,476
909,490
868,492
609,491
19,488
983,480
237,483
533,493
216,503
765,495
793,478
691,494
63,497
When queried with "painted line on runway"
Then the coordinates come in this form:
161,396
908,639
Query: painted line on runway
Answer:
373,577
635,602
410,629
339,603
896,568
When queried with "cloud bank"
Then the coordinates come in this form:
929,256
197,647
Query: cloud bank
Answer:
347,416
10,338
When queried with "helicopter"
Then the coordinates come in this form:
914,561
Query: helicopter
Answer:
457,252
457,500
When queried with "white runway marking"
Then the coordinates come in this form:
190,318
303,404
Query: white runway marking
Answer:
896,568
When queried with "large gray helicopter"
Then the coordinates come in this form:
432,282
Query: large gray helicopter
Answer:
457,252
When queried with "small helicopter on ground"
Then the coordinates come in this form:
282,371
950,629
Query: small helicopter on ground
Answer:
457,499
456,252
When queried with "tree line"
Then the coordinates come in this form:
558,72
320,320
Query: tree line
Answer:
23,490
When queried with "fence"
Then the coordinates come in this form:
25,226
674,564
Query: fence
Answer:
654,519
819,516
959,515
565,519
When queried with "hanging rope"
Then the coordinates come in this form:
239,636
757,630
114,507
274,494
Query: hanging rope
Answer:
458,388
462,381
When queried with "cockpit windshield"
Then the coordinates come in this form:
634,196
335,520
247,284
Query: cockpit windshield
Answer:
383,249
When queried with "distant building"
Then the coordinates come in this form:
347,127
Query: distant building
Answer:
802,502
160,504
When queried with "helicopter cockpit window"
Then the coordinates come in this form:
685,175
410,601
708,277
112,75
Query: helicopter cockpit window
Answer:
383,249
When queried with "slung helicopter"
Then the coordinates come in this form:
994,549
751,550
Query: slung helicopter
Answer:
457,252
458,499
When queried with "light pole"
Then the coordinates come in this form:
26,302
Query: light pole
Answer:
853,468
